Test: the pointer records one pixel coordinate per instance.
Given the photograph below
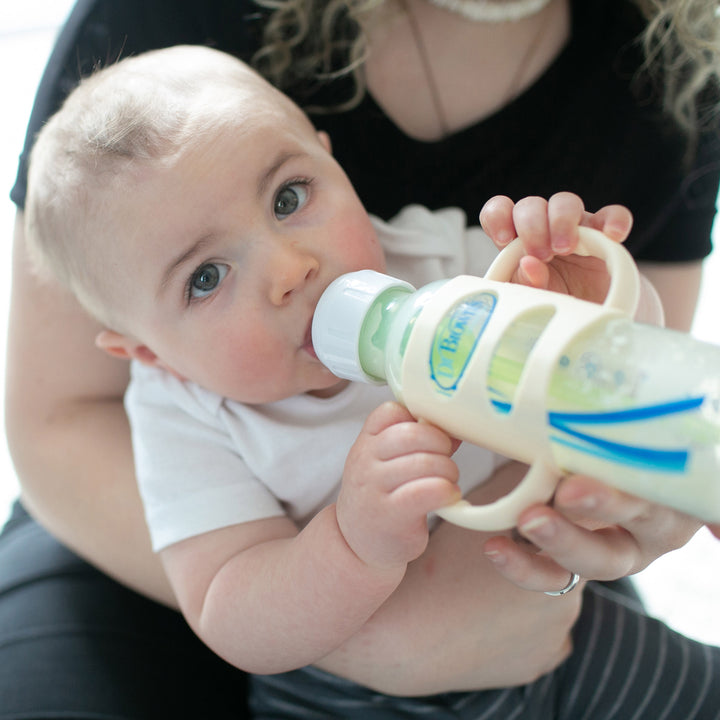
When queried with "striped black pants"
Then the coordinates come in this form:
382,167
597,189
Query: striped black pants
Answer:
625,666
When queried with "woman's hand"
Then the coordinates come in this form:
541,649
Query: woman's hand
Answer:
592,529
549,231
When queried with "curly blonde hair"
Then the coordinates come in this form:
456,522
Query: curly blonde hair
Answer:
682,44
305,41
308,42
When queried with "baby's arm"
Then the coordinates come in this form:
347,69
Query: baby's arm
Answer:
455,624
268,598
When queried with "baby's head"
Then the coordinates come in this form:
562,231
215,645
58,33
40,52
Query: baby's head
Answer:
122,122
194,210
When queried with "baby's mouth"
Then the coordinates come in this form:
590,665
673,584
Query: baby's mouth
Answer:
308,343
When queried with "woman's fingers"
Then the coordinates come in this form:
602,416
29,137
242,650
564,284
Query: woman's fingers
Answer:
594,530
525,567
605,553
655,529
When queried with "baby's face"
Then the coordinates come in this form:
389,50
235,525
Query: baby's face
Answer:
230,247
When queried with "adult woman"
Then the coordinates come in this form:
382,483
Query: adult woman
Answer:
66,426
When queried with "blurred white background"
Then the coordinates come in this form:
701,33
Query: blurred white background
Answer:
683,588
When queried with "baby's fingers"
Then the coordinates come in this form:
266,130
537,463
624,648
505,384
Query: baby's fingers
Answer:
565,214
424,495
614,220
496,218
533,272
412,467
549,227
530,217
397,434
385,416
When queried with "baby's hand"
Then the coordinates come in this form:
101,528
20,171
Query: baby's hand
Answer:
549,231
397,471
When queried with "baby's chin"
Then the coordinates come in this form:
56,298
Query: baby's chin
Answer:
331,390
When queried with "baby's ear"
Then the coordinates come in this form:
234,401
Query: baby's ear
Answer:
122,346
325,140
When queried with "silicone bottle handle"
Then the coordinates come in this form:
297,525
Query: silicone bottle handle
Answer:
537,486
541,479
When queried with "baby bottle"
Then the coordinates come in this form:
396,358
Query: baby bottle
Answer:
562,384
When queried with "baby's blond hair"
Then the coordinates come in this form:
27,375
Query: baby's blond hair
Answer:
138,112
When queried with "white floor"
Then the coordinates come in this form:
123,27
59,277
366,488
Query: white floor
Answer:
683,588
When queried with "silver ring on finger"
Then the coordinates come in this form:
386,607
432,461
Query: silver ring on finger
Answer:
574,580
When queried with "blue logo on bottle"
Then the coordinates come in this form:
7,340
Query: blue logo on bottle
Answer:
456,338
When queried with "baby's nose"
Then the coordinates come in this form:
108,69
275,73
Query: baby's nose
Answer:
293,268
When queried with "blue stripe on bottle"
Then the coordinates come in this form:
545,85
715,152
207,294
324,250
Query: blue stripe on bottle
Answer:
501,406
645,463
645,457
649,412
672,460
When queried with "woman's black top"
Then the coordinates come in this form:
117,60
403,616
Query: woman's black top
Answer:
586,125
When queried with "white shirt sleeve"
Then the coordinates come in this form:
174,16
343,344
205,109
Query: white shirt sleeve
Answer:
191,479
422,246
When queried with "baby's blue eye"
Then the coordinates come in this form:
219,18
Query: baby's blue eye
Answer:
205,280
289,199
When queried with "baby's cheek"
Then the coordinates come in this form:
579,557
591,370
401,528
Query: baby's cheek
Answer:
359,246
242,363
366,255
255,356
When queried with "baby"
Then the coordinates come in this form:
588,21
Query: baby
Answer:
197,214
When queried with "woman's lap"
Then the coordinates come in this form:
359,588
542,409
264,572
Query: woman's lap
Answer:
74,643
625,666
628,666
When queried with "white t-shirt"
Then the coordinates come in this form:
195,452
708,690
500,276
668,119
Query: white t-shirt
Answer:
204,462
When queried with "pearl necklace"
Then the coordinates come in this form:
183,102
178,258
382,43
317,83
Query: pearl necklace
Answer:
494,11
